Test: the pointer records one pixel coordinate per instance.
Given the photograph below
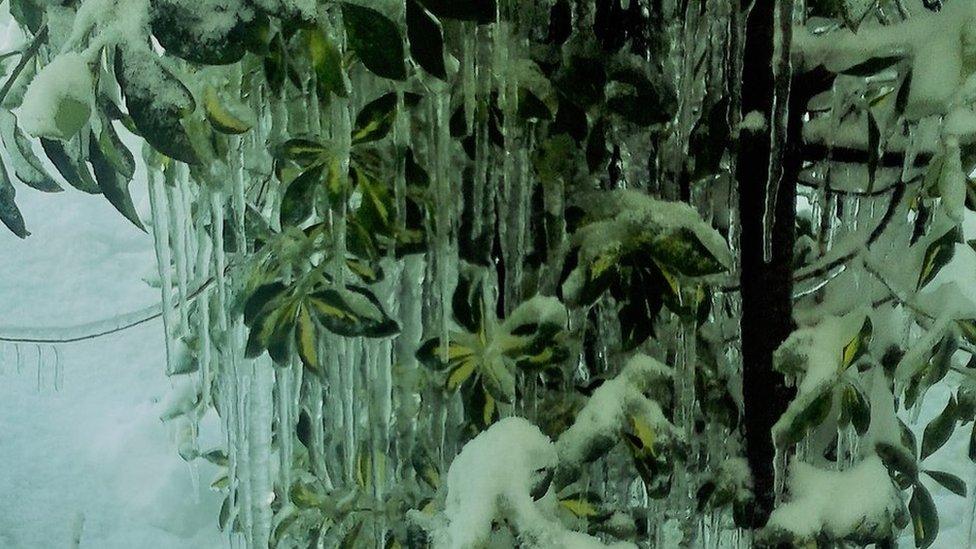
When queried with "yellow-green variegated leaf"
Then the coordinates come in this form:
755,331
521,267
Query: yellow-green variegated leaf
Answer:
352,311
582,504
225,117
306,339
857,346
459,374
937,255
301,150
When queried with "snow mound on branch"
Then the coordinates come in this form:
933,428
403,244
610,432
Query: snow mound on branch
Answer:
860,503
815,354
624,213
493,478
58,100
605,414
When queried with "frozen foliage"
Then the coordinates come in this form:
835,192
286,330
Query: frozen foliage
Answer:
860,503
58,101
814,355
504,474
626,218
608,411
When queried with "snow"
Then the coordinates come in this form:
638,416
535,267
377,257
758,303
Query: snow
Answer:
58,100
937,45
492,478
84,452
606,411
861,501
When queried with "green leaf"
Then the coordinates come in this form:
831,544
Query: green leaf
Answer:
27,167
479,11
353,311
855,409
349,540
375,120
858,346
951,482
426,39
28,13
9,212
114,187
303,151
873,65
175,27
498,380
937,255
683,251
158,121
900,464
327,63
260,299
117,154
225,116
466,302
299,198
74,171
426,469
938,431
306,340
376,40
814,414
925,517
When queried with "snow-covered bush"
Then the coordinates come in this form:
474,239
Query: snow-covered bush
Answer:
633,273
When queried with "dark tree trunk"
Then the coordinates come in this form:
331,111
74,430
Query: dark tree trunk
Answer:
766,286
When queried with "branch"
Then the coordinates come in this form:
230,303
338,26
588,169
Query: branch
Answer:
28,56
96,329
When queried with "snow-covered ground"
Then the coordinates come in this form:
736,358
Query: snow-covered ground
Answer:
83,454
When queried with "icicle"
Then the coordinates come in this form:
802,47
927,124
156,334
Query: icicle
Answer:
782,76
178,240
259,444
160,231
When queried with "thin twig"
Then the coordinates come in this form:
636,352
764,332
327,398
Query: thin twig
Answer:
101,333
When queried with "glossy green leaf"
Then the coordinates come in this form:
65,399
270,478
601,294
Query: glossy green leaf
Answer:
9,212
299,198
158,121
114,186
426,39
353,311
175,25
25,164
855,409
306,340
73,170
937,255
938,431
225,116
303,151
951,482
858,346
327,63
682,251
115,151
925,517
376,41
899,463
